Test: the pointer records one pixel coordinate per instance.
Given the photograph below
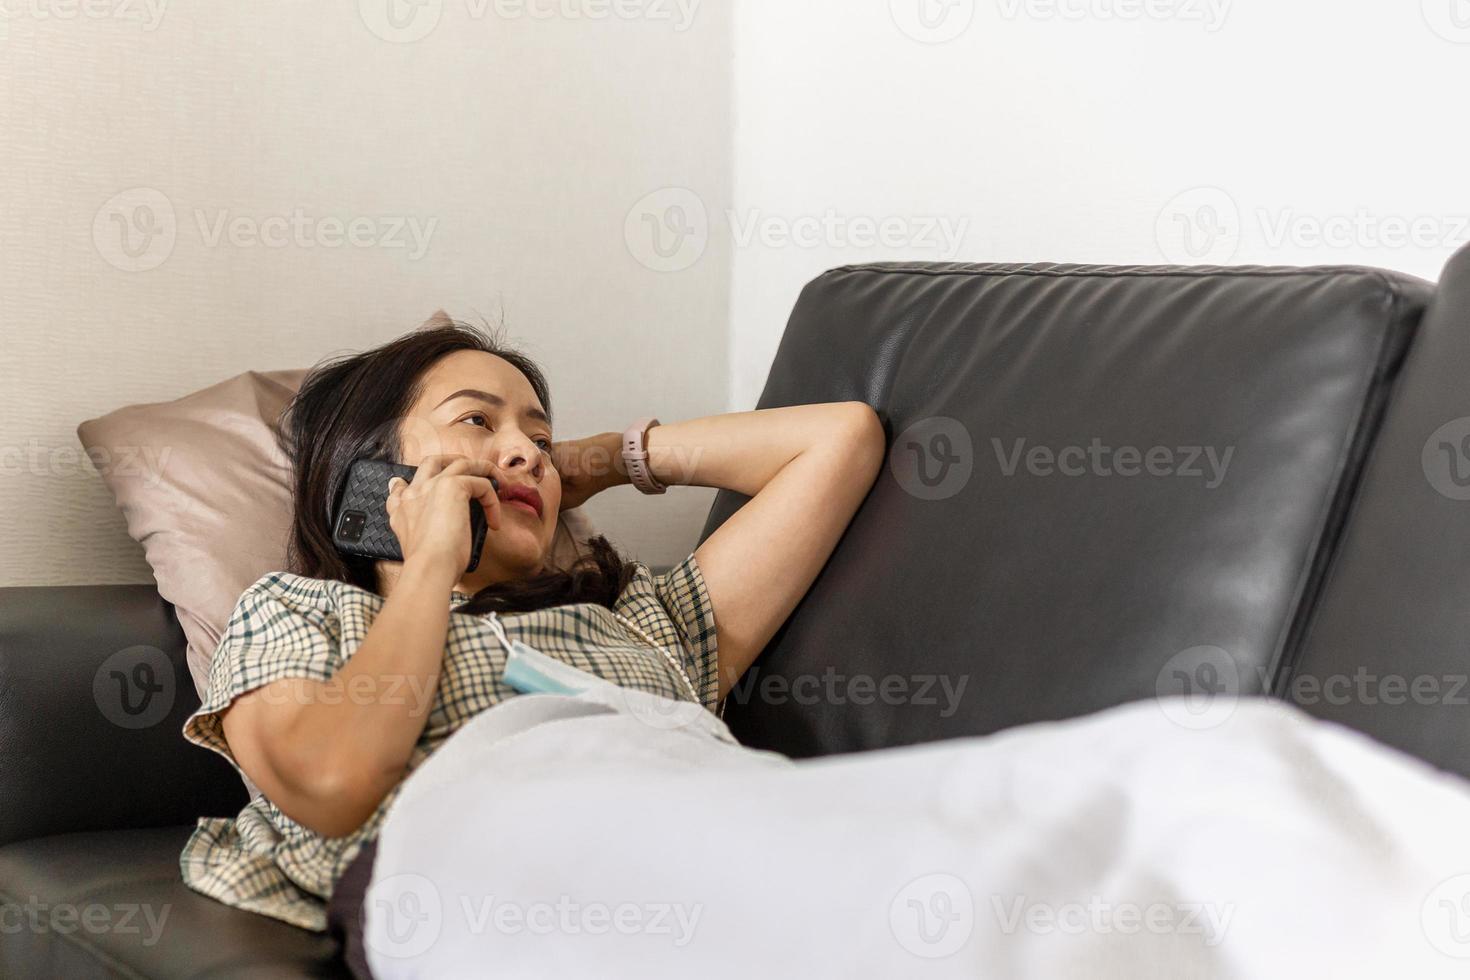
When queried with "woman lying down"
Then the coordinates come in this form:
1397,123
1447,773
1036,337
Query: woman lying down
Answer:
518,770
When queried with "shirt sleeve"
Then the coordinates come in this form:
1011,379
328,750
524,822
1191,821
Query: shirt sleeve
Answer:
282,627
682,593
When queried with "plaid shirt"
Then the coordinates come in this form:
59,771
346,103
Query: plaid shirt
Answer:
288,626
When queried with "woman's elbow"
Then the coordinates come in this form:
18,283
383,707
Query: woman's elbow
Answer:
327,783
864,432
328,795
333,805
334,822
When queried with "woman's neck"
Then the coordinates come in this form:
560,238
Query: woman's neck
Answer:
470,583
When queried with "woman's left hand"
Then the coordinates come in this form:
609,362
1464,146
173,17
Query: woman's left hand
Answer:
587,467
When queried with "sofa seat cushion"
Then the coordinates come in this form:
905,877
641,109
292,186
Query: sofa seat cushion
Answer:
113,905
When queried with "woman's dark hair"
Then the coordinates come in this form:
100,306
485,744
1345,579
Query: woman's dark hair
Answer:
348,408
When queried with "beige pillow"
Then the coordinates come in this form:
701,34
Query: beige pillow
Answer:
205,489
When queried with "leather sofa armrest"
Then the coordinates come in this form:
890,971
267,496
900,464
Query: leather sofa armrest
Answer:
1396,603
94,691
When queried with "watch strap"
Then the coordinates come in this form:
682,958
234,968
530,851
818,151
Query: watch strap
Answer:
635,456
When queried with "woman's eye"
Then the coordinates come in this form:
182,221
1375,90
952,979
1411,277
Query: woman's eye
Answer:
479,420
544,443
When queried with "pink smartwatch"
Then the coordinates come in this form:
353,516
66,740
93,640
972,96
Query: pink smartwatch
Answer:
635,455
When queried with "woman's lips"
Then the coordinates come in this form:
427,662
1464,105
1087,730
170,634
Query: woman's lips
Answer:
520,496
521,505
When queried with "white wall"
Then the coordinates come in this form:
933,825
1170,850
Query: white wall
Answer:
518,145
643,211
1285,132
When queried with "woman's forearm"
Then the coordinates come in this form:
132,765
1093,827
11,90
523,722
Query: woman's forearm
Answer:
332,750
739,451
742,451
382,696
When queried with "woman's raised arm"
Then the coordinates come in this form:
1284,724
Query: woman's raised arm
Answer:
806,470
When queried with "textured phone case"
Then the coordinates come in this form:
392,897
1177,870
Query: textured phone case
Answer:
360,520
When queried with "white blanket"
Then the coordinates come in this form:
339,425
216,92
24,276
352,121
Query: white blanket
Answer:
600,836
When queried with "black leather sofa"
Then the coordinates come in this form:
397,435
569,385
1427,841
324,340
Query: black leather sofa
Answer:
1052,537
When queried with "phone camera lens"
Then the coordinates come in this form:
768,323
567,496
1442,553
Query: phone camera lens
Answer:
354,522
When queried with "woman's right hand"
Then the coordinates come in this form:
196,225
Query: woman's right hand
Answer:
431,515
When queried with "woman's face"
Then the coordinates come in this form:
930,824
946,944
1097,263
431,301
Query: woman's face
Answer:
477,405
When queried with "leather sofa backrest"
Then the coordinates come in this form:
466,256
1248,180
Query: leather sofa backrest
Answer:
1104,484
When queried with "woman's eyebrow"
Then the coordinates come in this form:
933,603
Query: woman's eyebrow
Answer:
496,400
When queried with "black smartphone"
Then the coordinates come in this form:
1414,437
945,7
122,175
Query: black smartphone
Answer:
360,519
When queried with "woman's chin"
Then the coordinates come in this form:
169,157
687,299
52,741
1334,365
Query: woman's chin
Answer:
517,550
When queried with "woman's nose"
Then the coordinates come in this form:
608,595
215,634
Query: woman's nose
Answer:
518,457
